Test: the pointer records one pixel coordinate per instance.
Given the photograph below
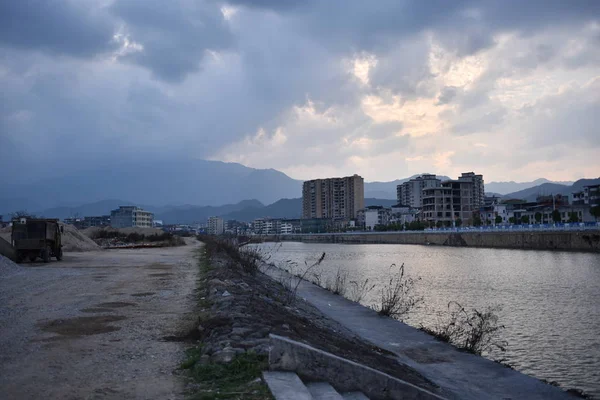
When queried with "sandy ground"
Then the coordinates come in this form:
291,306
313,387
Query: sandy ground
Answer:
94,325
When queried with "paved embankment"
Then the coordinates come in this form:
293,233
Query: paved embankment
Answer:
546,240
461,375
92,325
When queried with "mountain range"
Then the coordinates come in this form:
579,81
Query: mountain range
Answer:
545,189
173,189
512,186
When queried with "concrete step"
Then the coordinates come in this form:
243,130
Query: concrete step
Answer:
286,386
323,391
354,396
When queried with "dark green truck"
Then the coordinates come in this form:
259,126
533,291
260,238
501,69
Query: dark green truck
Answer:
36,237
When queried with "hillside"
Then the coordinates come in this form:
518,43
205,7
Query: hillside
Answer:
158,182
512,186
545,189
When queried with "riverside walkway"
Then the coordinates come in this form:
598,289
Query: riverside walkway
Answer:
460,375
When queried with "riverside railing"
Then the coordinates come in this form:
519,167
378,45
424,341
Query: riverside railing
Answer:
581,226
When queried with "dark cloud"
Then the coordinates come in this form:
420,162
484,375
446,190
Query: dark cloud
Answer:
181,80
175,35
55,26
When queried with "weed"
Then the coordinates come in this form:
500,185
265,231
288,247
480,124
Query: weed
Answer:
300,277
337,285
471,330
249,258
358,290
235,380
397,296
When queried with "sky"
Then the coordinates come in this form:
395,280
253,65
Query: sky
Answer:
386,89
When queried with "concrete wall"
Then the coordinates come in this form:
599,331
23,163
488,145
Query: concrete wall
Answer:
552,240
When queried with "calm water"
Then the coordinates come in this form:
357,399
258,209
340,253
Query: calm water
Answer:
550,300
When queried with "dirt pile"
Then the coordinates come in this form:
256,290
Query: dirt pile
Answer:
94,231
75,240
7,267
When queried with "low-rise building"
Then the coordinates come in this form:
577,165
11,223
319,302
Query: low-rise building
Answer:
286,228
102,220
131,216
375,216
590,195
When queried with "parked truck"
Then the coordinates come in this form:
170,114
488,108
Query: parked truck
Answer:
36,237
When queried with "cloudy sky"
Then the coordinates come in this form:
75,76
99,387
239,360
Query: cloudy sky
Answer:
386,88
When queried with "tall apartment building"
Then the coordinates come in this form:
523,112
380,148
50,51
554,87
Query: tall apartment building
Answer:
131,216
215,226
451,201
478,199
410,192
333,198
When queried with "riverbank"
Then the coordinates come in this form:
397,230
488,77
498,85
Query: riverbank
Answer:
240,309
588,241
457,373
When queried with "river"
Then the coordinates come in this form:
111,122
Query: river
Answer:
550,300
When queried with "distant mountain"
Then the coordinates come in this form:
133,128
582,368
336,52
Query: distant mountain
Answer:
511,187
13,204
158,182
199,214
545,189
92,209
578,185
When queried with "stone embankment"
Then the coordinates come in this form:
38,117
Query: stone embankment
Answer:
548,240
239,310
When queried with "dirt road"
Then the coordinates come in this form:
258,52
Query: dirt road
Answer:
93,325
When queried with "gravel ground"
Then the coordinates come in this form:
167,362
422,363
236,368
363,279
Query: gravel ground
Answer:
92,326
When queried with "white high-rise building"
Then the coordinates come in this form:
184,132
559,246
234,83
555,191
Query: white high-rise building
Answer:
478,191
410,193
216,226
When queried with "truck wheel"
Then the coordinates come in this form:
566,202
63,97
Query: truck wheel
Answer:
59,254
46,254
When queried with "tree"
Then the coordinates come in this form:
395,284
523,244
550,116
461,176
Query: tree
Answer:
538,217
498,219
595,211
22,214
512,220
458,222
556,216
448,224
573,217
477,221
439,224
525,219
